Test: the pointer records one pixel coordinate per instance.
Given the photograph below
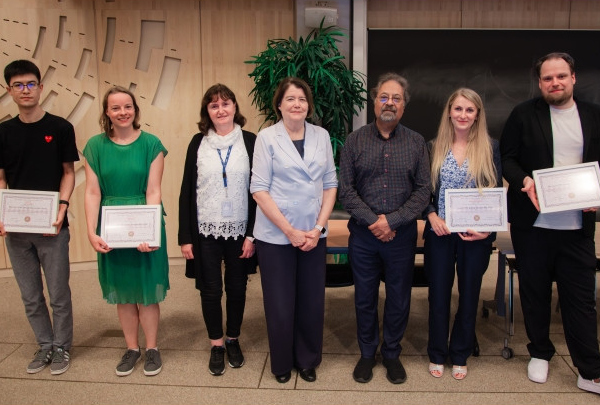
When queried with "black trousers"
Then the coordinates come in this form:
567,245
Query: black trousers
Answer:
567,257
213,253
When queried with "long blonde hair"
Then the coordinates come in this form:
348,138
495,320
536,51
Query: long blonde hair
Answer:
479,144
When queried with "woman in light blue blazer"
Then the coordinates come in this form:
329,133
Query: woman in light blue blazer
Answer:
294,184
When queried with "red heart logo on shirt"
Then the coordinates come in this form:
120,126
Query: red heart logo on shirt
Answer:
48,138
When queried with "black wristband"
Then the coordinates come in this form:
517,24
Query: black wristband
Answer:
65,202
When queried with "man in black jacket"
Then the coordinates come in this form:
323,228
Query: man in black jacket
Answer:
550,131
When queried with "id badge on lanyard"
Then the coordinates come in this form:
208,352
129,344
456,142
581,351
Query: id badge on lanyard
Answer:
227,204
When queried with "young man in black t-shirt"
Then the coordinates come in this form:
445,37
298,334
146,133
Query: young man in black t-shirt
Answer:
37,152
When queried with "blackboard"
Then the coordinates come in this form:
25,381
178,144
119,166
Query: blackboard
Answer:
498,64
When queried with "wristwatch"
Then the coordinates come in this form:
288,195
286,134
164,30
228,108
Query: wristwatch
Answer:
320,228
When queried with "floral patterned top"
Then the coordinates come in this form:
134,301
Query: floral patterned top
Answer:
452,176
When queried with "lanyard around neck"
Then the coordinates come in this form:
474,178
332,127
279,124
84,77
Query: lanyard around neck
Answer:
224,164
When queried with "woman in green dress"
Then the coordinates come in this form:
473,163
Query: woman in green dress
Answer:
125,167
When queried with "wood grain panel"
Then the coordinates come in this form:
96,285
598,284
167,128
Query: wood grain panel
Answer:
553,14
550,14
414,14
250,26
585,15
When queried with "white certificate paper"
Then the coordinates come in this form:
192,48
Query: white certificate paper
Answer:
126,226
567,188
480,210
29,211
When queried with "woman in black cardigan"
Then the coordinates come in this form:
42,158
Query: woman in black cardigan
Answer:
216,218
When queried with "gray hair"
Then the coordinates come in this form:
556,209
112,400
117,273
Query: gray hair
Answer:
386,77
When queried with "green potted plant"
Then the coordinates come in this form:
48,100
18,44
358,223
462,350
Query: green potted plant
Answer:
338,92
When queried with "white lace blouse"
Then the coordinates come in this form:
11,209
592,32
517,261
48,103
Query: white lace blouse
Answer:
223,211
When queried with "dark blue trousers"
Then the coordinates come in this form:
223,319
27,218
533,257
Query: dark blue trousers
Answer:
293,284
445,255
369,257
567,257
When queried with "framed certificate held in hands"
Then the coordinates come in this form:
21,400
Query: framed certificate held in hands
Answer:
567,188
126,226
482,210
29,211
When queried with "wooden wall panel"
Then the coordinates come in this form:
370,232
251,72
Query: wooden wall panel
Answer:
248,26
413,14
509,14
553,14
585,15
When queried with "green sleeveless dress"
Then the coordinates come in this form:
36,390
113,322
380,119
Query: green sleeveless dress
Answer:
128,276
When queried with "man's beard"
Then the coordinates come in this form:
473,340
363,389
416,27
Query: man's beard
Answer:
558,101
387,116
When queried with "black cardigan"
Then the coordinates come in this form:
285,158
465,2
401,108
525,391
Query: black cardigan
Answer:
188,209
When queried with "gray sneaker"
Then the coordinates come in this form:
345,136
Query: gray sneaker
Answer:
41,359
61,360
127,363
153,363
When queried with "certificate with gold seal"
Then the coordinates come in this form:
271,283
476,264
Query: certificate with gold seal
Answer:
482,210
126,226
567,188
29,211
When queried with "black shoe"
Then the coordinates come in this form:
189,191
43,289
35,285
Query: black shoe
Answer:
395,371
363,372
234,353
216,365
283,378
308,374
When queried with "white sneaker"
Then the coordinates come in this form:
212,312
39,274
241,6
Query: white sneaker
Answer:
588,385
537,370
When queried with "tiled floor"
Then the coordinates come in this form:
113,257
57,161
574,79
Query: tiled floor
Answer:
185,351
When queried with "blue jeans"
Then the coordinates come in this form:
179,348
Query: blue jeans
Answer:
29,253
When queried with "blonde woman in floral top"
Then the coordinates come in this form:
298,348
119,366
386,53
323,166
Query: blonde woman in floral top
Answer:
462,156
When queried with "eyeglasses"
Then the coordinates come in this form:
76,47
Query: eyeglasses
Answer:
18,86
383,99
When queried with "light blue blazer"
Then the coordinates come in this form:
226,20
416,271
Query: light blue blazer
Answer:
295,184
